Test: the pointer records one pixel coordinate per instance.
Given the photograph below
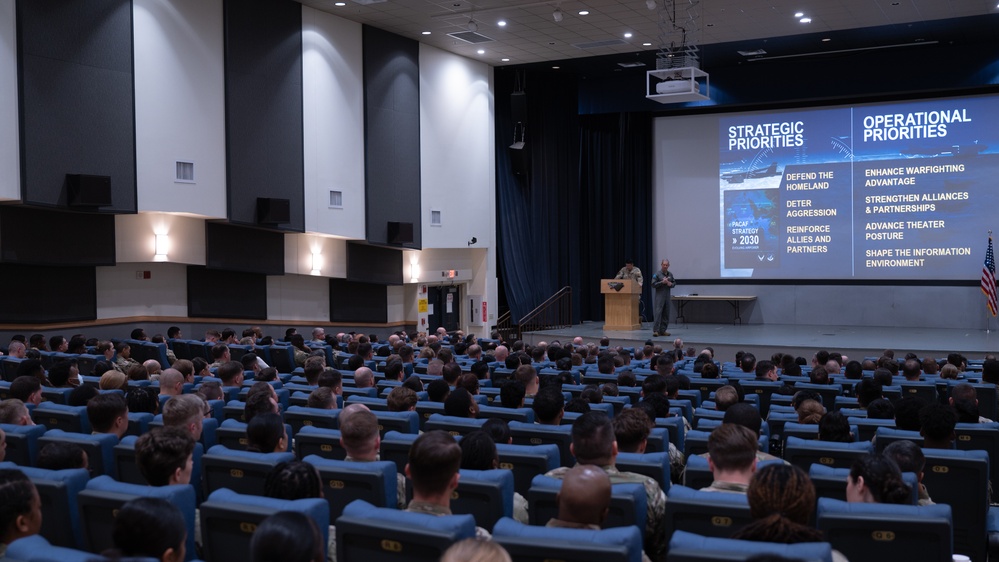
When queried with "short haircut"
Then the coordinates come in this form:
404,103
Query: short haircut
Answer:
726,397
907,455
547,404
141,400
293,480
880,409
478,451
512,394
434,458
653,384
745,415
709,371
59,373
631,427
12,410
469,382
834,426
147,527
401,399
990,371
592,438
59,455
312,369
458,403
437,390
185,367
228,371
267,374
732,447
525,374
286,536
182,410
658,402
103,409
248,360
867,391
937,421
907,412
30,368
81,395
358,430
161,451
762,368
330,378
219,350
264,432
498,429
258,402
322,398
451,372
748,363
23,387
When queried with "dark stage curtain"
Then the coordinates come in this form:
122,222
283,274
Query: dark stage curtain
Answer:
585,204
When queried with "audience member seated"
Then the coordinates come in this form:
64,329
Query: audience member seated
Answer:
142,400
475,550
149,528
593,442
14,412
876,479
186,411
81,395
433,468
286,536
296,480
549,406
113,380
230,373
261,399
478,452
171,382
31,368
731,458
20,508
512,394
61,456
108,413
124,362
867,391
165,456
461,404
322,399
438,391
747,416
364,378
265,433
26,389
810,412
907,413
360,438
137,372
834,426
936,425
909,458
964,400
880,409
401,399
725,397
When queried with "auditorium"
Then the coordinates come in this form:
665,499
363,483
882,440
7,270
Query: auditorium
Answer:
568,279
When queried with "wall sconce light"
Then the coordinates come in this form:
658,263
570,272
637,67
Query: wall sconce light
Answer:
162,247
317,263
414,268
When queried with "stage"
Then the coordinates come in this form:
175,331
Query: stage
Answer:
801,340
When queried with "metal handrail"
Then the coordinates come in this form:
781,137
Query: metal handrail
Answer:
554,312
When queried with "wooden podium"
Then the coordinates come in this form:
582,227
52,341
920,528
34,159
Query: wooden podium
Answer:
621,307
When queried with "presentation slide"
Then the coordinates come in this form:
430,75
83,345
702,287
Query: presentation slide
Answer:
898,191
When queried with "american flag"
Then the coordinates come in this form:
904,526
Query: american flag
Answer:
989,279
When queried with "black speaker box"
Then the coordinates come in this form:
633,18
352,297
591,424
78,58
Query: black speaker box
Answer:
400,232
520,161
273,211
88,191
518,107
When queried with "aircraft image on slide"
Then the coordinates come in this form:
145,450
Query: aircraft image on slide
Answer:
953,150
739,177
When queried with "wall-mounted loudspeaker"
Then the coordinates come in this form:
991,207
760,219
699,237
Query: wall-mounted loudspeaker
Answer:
273,211
84,190
400,232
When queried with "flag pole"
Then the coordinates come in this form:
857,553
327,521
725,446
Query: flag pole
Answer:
987,329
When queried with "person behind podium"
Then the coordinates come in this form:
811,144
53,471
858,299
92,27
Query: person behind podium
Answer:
662,282
629,271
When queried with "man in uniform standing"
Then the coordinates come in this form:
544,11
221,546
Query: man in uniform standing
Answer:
662,282
629,271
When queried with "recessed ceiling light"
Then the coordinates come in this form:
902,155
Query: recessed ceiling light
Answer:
426,33
627,35
341,4
799,14
504,60
555,68
826,40
646,44
805,20
501,23
584,12
481,51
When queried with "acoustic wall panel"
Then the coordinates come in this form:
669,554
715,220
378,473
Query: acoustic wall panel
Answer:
76,98
263,75
31,294
392,134
10,169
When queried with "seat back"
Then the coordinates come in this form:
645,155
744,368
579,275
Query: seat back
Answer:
243,472
403,422
103,497
831,482
691,547
60,416
677,433
427,409
487,495
58,490
367,532
763,389
960,479
37,549
526,462
867,428
99,448
22,443
299,417
531,543
981,437
873,532
802,453
282,358
628,503
533,434
228,520
711,514
888,435
653,465
346,481
454,425
321,442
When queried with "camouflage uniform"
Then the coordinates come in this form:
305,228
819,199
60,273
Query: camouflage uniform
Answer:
124,365
416,506
635,275
400,482
729,487
655,534
299,357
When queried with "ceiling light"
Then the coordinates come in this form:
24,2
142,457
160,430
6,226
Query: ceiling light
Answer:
584,12
557,15
805,20
472,26
481,51
799,14
501,23
555,68
426,33
650,4
646,44
627,35
341,4
826,40
504,60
